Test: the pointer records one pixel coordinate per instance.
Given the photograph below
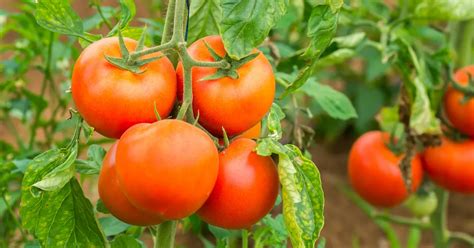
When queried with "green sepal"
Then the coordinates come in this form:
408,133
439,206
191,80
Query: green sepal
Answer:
234,65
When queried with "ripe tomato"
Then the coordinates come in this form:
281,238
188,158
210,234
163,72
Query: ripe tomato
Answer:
245,190
112,99
235,104
374,171
167,168
451,165
252,133
113,198
461,115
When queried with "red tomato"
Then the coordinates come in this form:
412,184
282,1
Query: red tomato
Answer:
252,133
451,165
235,104
115,200
246,187
374,171
167,168
461,115
112,99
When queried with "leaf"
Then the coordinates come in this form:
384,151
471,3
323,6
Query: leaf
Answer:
445,9
112,226
126,241
333,102
247,23
60,174
334,4
302,193
350,41
63,218
100,207
91,166
127,12
58,16
422,119
322,26
275,116
335,57
204,18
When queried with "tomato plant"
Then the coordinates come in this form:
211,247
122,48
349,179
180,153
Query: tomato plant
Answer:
167,108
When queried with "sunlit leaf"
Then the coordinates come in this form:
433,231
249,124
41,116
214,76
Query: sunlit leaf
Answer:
204,18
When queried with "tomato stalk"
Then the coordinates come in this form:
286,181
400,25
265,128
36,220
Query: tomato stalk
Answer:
465,46
165,233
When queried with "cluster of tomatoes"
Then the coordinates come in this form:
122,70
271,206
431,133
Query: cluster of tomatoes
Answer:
374,169
170,169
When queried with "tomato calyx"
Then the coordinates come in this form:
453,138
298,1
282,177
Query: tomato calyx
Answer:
467,90
126,62
231,70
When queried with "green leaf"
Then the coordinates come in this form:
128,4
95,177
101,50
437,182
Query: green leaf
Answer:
57,176
112,226
422,118
126,241
389,120
204,18
127,12
322,26
91,166
100,207
58,16
445,9
302,193
221,233
63,218
334,4
350,41
275,116
335,57
333,102
247,23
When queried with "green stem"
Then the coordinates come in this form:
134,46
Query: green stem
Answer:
166,46
402,220
414,237
165,233
461,238
438,220
15,220
168,27
99,9
245,238
465,47
46,78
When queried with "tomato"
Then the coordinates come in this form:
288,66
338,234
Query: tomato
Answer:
112,99
451,165
422,204
374,171
235,104
167,168
245,190
461,115
252,133
113,198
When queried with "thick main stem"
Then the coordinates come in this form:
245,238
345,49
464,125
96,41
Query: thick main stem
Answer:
465,46
438,220
165,233
168,27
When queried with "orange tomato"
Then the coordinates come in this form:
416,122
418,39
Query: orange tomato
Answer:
461,115
114,199
451,165
235,104
245,190
167,168
112,99
375,174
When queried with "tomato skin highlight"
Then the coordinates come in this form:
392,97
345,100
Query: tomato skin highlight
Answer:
451,165
235,104
167,168
112,99
116,201
246,187
374,171
461,115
